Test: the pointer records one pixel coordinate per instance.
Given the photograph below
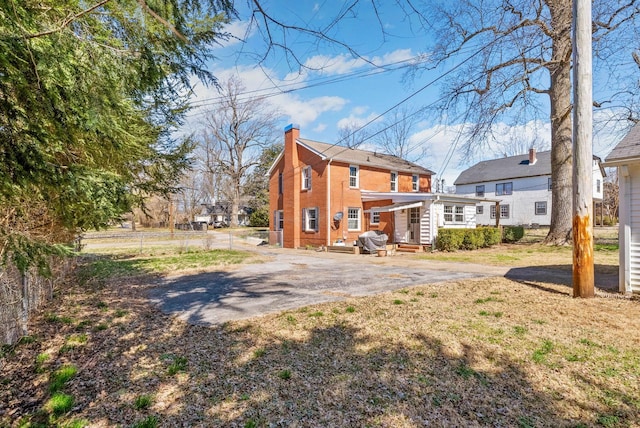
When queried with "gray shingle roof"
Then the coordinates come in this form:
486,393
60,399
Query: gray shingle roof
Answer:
364,157
628,147
506,168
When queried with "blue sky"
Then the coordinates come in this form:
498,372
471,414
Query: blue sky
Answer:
343,90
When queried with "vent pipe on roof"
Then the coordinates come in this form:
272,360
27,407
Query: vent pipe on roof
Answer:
532,156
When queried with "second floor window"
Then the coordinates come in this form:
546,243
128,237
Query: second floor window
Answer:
504,189
415,182
353,176
598,186
280,184
306,178
394,181
549,182
480,191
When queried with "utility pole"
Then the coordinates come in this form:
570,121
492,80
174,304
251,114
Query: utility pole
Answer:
583,275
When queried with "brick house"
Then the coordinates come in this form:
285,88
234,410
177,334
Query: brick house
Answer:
322,194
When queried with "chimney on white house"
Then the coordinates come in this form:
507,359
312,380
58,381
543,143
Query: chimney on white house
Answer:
532,156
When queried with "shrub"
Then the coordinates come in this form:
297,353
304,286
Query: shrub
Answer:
473,239
468,239
259,218
492,236
449,239
512,233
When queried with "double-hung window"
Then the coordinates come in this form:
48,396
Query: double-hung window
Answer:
480,191
394,181
541,208
375,217
306,178
279,220
504,211
454,214
504,189
415,182
353,219
353,176
310,219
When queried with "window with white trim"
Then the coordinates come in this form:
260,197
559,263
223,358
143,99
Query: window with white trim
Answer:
353,176
479,209
353,219
454,214
541,208
306,178
394,181
480,191
504,189
504,211
310,219
415,182
375,217
279,220
598,183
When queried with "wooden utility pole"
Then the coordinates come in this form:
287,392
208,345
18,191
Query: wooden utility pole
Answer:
583,275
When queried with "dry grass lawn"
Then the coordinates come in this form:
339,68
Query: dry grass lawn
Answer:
490,352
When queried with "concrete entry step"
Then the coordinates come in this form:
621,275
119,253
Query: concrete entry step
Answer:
410,248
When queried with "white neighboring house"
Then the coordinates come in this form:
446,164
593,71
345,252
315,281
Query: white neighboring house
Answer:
626,157
522,184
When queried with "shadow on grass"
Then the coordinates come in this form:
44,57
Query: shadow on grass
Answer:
605,280
302,369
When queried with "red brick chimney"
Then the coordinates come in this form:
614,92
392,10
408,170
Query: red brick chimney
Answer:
292,185
532,156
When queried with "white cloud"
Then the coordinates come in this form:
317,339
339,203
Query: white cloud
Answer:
263,82
340,64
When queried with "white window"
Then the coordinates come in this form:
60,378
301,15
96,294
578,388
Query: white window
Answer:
353,176
394,181
479,209
415,182
310,219
598,186
480,191
279,220
375,217
353,219
504,211
306,178
504,189
541,208
454,214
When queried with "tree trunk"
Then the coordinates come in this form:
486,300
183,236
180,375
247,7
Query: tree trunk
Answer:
561,129
235,203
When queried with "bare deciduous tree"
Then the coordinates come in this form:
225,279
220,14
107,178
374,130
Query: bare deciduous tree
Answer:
394,135
234,134
515,50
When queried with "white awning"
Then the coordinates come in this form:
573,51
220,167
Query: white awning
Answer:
397,207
